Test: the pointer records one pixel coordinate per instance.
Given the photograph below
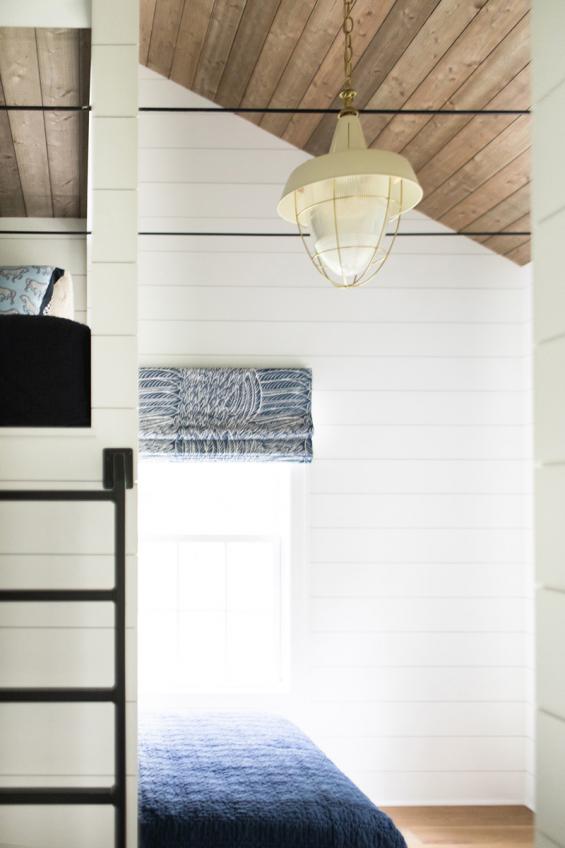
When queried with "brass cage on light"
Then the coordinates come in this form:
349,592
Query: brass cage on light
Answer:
347,204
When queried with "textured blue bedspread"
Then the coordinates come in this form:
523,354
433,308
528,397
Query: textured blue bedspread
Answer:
247,781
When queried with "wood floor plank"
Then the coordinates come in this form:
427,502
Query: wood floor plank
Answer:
255,23
327,82
400,27
190,40
224,22
464,827
469,51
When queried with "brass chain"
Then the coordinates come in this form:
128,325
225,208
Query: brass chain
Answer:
347,93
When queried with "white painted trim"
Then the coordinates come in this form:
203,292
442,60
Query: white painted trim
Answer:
75,14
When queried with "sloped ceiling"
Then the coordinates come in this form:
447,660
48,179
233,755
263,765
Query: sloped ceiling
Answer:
417,54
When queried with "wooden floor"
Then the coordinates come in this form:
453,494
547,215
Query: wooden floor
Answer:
459,827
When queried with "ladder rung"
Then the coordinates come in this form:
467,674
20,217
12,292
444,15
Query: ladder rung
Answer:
57,595
53,795
34,695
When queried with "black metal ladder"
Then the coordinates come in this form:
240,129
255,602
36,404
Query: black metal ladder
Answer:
117,477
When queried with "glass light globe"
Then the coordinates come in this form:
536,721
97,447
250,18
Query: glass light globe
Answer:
347,205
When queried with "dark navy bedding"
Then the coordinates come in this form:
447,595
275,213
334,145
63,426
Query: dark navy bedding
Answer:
247,781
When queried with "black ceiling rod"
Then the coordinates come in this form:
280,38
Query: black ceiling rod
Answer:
4,107
470,234
273,110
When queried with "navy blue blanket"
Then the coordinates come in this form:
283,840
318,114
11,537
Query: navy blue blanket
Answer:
247,781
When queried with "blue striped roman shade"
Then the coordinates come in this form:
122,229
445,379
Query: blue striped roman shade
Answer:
227,414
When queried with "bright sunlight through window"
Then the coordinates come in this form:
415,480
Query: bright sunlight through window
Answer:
213,577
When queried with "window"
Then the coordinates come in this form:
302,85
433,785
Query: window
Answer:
213,577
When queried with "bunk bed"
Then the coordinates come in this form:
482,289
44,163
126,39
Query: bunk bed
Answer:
45,354
228,780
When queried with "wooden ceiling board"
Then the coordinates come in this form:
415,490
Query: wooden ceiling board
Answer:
19,71
163,38
287,28
43,159
432,42
146,16
252,31
453,146
521,255
58,55
368,17
399,28
493,191
485,32
506,146
504,244
485,88
11,194
190,39
222,28
317,38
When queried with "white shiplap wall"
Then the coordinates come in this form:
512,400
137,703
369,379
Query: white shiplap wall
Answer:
71,545
549,359
418,500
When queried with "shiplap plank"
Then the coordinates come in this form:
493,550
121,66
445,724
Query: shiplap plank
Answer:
373,651
433,477
419,511
429,787
432,575
165,303
359,718
435,545
264,262
282,338
454,754
422,684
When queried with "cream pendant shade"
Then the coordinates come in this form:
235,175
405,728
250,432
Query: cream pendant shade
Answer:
347,204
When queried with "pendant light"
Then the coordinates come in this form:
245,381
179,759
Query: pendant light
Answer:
347,204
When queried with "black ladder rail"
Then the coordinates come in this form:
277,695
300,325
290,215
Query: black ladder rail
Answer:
117,478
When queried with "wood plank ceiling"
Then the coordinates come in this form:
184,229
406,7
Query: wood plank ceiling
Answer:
43,154
413,54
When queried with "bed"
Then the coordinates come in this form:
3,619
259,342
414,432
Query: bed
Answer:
247,781
44,353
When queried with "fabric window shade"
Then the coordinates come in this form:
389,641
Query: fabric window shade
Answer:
226,414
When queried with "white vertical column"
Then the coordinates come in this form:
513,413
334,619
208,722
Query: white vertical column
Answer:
112,263
549,288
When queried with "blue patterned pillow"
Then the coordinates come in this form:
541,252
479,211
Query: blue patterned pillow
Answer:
27,289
